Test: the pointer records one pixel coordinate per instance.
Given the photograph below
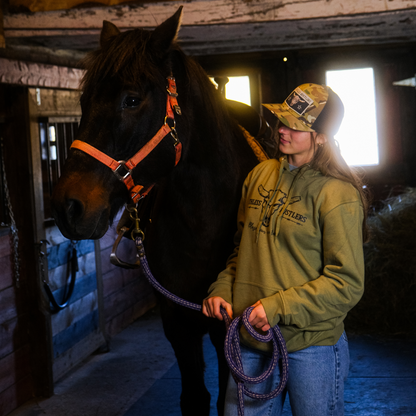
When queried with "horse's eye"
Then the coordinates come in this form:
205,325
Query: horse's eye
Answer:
131,102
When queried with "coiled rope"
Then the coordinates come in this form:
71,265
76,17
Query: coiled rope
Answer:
232,340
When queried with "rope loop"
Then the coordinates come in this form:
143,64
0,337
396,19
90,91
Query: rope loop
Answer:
232,341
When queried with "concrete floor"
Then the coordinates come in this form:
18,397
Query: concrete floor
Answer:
140,377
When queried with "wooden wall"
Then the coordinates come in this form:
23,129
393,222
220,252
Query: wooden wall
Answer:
37,347
16,384
24,348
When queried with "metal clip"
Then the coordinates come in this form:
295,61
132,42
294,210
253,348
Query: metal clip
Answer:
174,134
137,230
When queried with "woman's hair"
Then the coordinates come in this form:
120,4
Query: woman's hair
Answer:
328,160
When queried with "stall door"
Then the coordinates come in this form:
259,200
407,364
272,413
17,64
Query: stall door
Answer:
70,270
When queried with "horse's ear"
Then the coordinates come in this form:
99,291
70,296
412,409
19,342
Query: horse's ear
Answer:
166,32
108,31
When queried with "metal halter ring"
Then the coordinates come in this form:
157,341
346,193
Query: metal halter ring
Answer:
122,165
166,122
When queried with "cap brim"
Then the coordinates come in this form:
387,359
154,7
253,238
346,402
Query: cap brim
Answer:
284,114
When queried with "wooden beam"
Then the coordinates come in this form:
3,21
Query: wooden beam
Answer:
200,12
380,28
365,29
2,38
215,26
38,75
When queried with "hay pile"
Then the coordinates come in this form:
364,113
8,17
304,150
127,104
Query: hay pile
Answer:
388,306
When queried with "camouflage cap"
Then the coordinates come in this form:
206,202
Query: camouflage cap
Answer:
310,107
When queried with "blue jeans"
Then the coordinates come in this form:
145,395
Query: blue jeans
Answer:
315,386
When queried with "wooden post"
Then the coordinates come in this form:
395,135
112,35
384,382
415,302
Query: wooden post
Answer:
2,38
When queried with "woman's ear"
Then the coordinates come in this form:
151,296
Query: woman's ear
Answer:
320,139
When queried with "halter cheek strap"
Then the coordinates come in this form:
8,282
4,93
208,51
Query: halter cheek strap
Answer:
123,170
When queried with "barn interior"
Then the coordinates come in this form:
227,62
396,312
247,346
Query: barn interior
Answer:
49,359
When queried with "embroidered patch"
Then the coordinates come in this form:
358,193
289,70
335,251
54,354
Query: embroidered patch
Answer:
298,101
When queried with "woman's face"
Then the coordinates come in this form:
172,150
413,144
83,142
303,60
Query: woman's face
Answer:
297,145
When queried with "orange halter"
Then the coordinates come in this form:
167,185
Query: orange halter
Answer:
122,169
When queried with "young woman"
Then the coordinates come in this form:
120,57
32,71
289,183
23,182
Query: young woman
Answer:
298,258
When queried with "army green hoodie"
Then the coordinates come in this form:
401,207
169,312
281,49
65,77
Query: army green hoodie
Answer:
299,251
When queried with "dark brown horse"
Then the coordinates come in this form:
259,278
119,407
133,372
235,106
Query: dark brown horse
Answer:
195,203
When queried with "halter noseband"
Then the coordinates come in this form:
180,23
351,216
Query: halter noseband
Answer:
123,169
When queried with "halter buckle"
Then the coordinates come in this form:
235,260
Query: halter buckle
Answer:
123,175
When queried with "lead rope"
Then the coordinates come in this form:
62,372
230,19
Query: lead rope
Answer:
232,340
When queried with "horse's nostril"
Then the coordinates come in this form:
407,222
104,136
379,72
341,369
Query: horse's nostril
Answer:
74,209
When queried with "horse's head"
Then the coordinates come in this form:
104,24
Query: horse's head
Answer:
123,107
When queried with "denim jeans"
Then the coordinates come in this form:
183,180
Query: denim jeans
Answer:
315,385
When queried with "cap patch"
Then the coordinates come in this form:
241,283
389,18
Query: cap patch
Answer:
298,101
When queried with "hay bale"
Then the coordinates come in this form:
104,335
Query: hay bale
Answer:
388,306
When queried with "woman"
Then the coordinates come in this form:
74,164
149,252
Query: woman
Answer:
298,258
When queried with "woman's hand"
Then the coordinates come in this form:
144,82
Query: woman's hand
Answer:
258,317
211,307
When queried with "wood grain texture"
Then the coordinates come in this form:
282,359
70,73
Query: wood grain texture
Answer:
197,12
39,75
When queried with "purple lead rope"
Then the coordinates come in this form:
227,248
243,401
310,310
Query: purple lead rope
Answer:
232,341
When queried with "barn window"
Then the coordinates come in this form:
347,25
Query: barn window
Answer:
237,89
357,136
56,136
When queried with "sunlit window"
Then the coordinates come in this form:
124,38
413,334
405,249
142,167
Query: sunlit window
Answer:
357,136
237,89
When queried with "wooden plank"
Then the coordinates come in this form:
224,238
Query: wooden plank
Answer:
14,334
56,104
382,28
127,297
198,12
112,282
73,313
5,245
2,38
58,255
117,323
16,395
8,304
83,286
38,75
118,278
76,354
58,276
100,290
6,276
387,27
14,367
75,333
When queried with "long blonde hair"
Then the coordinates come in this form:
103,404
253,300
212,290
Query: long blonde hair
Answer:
328,160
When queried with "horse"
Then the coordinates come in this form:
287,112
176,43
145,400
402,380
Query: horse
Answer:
195,173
